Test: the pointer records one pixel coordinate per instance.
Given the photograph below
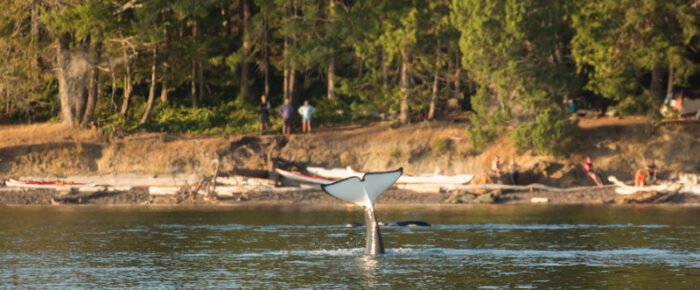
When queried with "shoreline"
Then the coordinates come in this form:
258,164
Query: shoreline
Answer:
140,197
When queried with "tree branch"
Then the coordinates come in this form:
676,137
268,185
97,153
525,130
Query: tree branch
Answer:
127,6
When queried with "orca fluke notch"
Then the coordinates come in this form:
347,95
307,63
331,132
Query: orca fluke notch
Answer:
364,192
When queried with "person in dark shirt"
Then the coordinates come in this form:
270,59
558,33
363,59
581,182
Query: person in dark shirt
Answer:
264,114
652,170
286,111
513,171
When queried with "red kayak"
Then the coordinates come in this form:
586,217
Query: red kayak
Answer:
46,184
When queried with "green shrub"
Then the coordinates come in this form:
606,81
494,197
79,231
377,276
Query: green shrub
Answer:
230,117
479,135
551,133
440,145
635,105
395,153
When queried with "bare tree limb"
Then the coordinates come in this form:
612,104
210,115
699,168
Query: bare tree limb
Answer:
128,5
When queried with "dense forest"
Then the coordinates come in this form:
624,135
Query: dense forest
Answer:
200,66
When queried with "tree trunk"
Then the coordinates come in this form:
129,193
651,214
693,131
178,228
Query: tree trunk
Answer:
656,86
164,75
331,63
128,88
152,89
72,69
288,79
385,70
266,57
290,67
331,81
245,66
35,20
434,93
459,94
35,35
164,87
669,87
403,117
448,79
285,86
292,84
94,85
200,81
193,84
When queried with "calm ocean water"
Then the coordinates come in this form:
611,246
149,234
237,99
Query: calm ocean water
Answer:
488,247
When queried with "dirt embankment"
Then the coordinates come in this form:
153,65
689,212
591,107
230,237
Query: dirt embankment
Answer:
617,147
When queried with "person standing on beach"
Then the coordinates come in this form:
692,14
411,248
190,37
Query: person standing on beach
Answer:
264,114
639,178
513,171
496,166
588,168
286,111
305,112
652,170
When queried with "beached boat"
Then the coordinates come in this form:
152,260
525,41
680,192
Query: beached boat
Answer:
334,173
626,189
57,184
340,173
163,190
300,177
435,179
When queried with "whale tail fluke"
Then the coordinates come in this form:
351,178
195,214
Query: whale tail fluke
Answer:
363,191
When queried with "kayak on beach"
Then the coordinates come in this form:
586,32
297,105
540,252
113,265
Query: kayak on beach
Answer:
46,184
335,173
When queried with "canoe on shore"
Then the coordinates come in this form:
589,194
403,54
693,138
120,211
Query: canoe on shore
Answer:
341,173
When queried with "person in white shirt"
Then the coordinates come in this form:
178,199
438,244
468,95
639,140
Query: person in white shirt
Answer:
305,112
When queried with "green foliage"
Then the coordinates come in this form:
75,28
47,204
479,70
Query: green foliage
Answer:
618,41
496,120
478,134
440,145
333,112
635,105
551,133
513,50
519,57
231,117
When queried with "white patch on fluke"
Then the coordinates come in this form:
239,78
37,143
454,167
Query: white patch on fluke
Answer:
363,191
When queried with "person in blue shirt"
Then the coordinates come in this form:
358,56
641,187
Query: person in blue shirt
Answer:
305,112
286,111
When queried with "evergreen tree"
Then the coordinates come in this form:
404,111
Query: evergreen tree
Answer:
617,43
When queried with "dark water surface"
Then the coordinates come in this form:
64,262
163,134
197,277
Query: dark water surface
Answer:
280,247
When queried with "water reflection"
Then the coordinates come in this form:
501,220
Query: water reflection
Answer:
368,269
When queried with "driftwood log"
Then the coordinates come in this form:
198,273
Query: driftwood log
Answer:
530,187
